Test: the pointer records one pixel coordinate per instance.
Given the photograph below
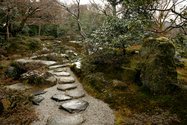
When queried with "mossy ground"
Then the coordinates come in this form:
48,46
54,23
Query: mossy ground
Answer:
136,98
182,73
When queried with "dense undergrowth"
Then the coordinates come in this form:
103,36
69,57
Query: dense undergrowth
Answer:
133,102
18,107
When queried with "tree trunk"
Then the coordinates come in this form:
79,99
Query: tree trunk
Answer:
114,10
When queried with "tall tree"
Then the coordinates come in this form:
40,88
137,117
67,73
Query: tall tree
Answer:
16,13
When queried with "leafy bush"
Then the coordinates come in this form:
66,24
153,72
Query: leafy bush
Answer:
118,33
99,62
19,110
76,70
34,44
33,77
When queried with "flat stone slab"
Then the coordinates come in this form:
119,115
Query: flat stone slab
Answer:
60,97
63,80
19,86
65,87
61,119
75,106
57,66
61,73
38,99
38,92
60,70
75,93
23,61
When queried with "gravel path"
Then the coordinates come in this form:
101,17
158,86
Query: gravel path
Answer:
97,113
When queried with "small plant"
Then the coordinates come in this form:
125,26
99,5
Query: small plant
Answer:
33,77
19,110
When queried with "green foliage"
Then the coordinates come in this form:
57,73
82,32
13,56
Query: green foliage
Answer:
19,109
180,42
34,44
98,62
118,33
75,70
49,30
33,30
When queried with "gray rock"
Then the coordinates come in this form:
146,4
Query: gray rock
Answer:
48,74
137,52
65,87
51,80
57,66
63,80
61,119
119,84
177,57
38,92
19,86
60,97
61,73
60,70
75,106
75,93
11,71
22,62
38,99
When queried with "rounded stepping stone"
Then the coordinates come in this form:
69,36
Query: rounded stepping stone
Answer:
64,80
60,97
75,106
60,70
57,66
61,119
75,93
61,73
65,87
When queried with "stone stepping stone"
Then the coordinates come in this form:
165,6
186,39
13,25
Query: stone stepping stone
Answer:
61,119
63,80
38,92
75,106
61,73
19,86
65,87
60,70
38,99
75,93
51,80
60,97
57,66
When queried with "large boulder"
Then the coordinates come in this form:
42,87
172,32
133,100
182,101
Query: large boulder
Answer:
158,70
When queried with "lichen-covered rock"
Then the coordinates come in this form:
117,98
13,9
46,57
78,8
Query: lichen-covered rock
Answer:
158,70
119,84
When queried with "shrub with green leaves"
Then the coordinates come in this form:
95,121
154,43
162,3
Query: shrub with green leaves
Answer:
118,33
20,110
34,44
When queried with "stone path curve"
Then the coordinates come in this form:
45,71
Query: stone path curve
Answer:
68,104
